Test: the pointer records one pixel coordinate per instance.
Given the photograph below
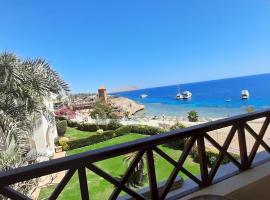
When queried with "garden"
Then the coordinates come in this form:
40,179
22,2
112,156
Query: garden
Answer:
82,137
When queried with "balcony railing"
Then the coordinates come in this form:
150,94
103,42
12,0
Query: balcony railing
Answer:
196,135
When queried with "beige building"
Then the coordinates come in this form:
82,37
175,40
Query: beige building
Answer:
102,94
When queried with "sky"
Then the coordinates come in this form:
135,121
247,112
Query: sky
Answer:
140,43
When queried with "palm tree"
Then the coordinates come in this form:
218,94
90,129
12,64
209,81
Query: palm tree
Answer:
138,177
24,84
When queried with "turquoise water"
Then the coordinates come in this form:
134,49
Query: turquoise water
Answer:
209,98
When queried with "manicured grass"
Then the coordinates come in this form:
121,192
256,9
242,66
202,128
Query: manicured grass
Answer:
100,188
75,134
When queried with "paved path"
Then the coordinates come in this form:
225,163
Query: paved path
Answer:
52,179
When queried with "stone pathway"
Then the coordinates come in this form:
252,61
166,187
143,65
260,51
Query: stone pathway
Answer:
52,179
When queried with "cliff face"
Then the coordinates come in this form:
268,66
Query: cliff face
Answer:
123,105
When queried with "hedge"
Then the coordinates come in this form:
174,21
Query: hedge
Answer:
178,144
211,157
74,144
72,124
140,129
106,135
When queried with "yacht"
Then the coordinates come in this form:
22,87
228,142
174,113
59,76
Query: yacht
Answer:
179,96
244,94
143,96
184,95
187,95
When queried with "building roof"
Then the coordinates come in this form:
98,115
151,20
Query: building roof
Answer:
102,87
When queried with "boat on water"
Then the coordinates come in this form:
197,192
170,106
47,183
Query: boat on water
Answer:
143,96
187,94
183,95
179,96
245,94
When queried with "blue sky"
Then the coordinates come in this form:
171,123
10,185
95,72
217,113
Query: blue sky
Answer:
142,43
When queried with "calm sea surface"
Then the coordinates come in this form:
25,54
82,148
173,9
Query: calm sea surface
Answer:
209,98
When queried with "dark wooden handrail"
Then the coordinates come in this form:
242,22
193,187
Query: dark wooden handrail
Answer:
198,133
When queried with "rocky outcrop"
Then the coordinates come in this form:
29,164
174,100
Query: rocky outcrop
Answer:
124,106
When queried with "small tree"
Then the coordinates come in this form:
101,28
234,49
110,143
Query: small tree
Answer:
177,125
193,116
250,109
61,127
102,111
138,176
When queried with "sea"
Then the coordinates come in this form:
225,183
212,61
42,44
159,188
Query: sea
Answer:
211,99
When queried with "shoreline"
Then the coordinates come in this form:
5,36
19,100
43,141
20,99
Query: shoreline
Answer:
159,109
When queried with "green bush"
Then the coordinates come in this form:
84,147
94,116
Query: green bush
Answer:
141,129
64,143
60,118
193,116
211,157
177,125
87,127
178,144
114,124
72,124
95,127
61,127
74,144
109,134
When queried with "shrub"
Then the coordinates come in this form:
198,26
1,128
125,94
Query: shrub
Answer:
72,124
211,156
102,110
60,118
178,144
109,134
74,144
94,127
250,109
88,127
177,125
141,129
193,116
114,124
61,127
64,143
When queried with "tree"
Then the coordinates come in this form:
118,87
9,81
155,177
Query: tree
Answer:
102,110
250,109
138,176
24,84
193,116
177,125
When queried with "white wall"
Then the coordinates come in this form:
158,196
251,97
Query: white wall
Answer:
44,134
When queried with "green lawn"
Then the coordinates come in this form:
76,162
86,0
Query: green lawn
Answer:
74,134
100,188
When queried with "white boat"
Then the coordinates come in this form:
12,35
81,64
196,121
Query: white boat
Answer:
184,95
143,96
245,94
187,94
179,96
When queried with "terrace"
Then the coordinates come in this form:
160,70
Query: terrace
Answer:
236,179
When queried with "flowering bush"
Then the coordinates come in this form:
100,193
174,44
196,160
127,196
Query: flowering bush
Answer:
65,111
